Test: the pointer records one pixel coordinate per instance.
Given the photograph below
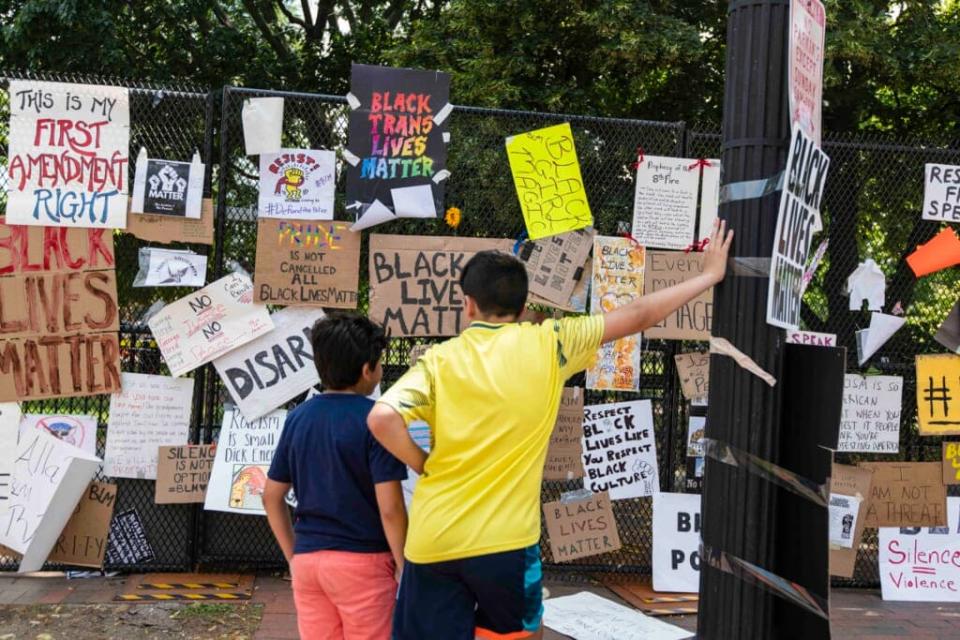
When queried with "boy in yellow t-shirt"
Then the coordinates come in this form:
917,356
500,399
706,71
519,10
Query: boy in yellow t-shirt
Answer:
491,396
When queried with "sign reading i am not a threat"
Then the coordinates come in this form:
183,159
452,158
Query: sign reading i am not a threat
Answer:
799,218
906,494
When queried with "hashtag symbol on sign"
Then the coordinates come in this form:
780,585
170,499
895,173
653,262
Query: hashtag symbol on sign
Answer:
935,395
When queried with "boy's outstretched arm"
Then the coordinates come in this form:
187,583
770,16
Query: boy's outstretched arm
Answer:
390,430
648,310
278,515
393,516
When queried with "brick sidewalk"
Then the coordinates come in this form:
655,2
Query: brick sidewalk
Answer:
857,613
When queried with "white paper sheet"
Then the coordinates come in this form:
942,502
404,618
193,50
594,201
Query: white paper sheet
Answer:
870,421
585,616
9,430
414,202
262,125
843,519
941,193
867,282
170,268
79,431
676,542
882,327
375,214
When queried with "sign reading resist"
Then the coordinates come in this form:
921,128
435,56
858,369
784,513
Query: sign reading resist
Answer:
676,542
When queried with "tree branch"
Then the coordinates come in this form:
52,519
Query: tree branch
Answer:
289,14
222,17
279,46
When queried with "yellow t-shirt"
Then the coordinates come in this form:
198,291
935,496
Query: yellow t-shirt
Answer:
491,397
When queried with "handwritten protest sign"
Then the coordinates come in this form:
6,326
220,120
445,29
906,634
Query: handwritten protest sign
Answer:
906,494
168,187
546,173
9,429
854,482
951,463
565,453
805,65
150,412
797,221
871,413
665,202
693,369
941,193
58,313
676,542
83,541
298,184
396,163
693,320
812,338
555,264
276,367
581,528
619,450
167,229
244,452
617,280
170,268
308,264
183,472
127,542
49,477
920,564
80,431
587,615
208,323
415,281
938,394
69,151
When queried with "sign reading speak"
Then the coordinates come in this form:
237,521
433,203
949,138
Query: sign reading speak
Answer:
69,151
922,564
906,494
581,528
676,542
415,281
619,450
665,202
564,456
307,264
58,313
693,320
183,473
871,414
938,394
941,193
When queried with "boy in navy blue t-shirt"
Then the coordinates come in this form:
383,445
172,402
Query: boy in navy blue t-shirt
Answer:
345,545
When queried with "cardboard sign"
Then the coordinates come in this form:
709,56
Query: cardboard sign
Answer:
546,174
297,184
812,338
150,412
920,564
58,313
951,463
183,473
170,268
167,229
128,543
9,430
619,450
941,193
665,202
906,494
805,65
49,477
307,264
79,431
618,273
938,394
581,528
83,542
693,369
693,320
396,163
208,323
676,542
871,413
564,455
168,187
797,221
587,615
855,482
276,367
69,151
555,264
244,452
415,282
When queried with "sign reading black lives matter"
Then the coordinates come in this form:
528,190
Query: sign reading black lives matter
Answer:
799,217
397,156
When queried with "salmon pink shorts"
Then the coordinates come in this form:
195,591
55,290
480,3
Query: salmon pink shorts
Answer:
344,595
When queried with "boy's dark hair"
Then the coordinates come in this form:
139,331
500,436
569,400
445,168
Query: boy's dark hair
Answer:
342,343
497,282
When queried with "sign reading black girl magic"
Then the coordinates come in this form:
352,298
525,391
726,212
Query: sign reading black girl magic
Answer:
397,155
799,219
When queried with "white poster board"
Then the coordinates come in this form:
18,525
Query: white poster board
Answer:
79,135
168,187
587,616
149,412
208,323
273,369
920,564
676,542
79,431
9,430
420,432
870,422
297,183
941,193
805,65
244,453
709,197
619,449
49,478
665,202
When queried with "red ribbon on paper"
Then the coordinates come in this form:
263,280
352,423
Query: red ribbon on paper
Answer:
698,246
639,155
701,162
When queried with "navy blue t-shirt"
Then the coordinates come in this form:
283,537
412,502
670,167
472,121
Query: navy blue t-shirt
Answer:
332,460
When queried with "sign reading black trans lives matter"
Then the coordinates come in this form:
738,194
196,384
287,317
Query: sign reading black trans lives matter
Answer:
799,219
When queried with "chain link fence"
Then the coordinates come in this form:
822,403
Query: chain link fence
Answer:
871,209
